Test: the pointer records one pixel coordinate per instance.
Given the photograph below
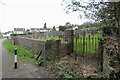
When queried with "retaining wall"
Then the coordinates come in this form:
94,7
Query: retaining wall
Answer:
52,47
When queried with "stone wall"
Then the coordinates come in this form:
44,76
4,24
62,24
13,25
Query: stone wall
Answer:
33,44
52,47
64,49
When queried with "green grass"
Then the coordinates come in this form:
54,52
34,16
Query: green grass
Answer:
51,38
1,38
22,52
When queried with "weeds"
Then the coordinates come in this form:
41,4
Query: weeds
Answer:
22,52
39,61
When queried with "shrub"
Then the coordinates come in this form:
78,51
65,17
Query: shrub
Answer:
109,30
16,34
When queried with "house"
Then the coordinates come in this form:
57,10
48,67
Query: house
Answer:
19,30
34,29
75,27
40,30
7,34
45,29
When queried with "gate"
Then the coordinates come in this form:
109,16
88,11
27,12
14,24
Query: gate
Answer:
85,46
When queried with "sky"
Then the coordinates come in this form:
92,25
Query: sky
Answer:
33,14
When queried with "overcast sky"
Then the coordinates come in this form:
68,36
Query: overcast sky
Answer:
34,13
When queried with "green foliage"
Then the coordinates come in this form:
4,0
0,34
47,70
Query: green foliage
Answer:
35,52
94,10
22,52
16,34
45,27
106,13
62,28
68,76
39,61
53,29
89,28
109,30
1,38
68,73
32,37
49,38
106,30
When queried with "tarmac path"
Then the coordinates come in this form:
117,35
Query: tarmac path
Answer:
26,69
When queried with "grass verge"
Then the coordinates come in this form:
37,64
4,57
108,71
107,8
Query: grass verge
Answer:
22,52
1,38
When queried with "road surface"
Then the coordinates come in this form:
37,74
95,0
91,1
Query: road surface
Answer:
25,69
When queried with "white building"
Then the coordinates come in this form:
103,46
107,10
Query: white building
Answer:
19,30
7,34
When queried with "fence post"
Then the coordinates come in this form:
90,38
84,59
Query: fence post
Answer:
76,49
92,45
15,58
83,43
72,40
101,54
89,45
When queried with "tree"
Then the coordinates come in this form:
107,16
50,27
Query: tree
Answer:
45,27
54,29
105,12
68,24
62,28
28,30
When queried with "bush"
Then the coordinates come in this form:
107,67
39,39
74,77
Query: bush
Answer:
16,34
109,30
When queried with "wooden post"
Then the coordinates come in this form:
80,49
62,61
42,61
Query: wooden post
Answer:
76,45
89,45
83,42
95,45
92,45
101,54
98,46
76,49
72,40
